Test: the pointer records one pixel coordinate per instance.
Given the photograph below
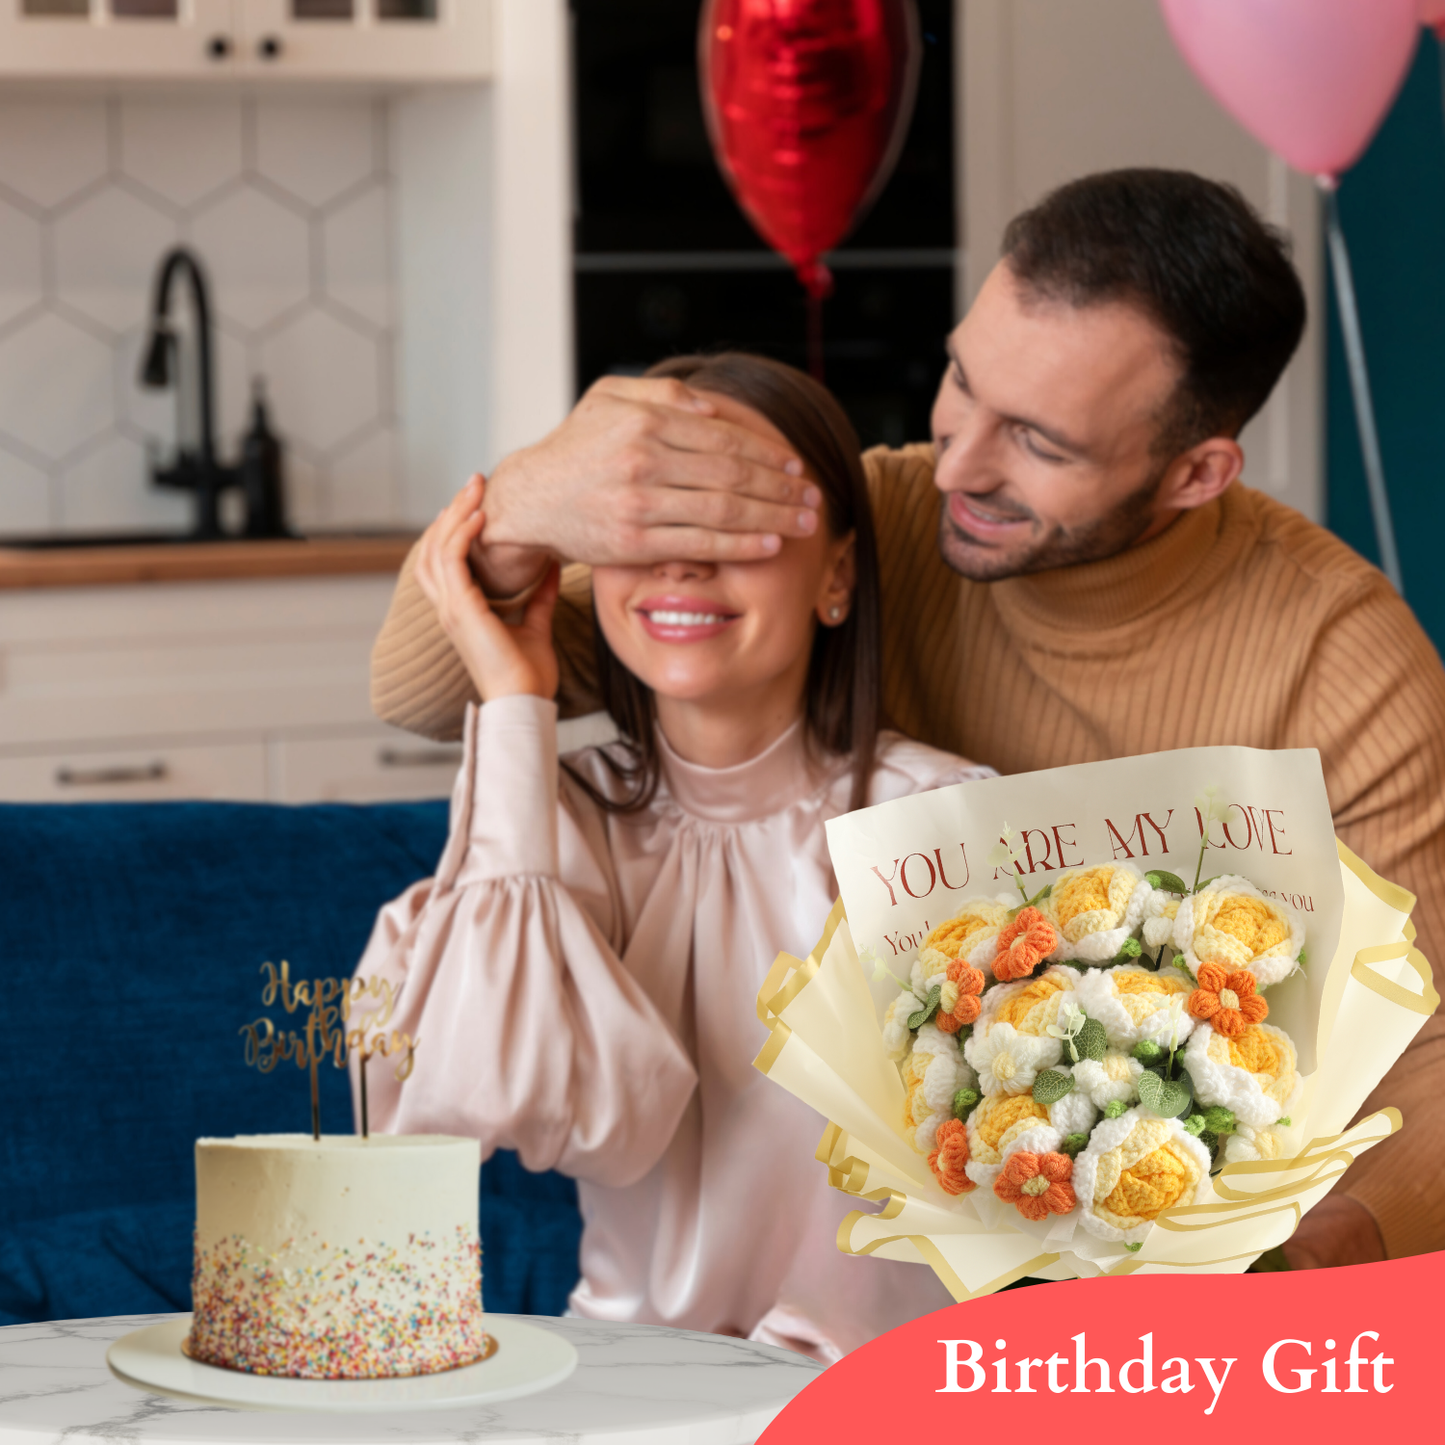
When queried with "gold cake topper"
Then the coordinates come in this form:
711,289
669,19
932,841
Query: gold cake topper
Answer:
329,1031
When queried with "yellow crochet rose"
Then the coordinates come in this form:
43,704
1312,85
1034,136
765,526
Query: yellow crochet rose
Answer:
998,1121
1232,924
971,935
1254,1073
1095,910
1134,1168
1030,1005
1133,1003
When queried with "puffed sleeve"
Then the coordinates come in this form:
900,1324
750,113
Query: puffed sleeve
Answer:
530,1034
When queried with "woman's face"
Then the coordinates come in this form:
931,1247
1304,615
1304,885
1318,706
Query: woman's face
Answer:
699,631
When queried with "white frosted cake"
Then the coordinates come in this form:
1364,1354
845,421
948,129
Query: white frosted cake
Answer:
343,1258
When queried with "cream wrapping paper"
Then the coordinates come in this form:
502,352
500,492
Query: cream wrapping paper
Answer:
903,867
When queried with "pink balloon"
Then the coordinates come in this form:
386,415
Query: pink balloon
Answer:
1312,79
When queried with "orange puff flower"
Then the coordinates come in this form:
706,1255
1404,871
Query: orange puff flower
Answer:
1227,1001
1022,943
958,1002
948,1160
1037,1185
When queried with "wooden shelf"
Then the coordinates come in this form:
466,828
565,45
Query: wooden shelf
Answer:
201,561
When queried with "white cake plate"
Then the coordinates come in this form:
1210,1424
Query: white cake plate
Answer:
527,1360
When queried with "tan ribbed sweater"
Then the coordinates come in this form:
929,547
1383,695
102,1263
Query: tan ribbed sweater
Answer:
1242,623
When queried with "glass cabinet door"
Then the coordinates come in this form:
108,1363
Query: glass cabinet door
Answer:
360,39
117,39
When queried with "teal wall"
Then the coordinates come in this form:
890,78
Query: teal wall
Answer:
1393,209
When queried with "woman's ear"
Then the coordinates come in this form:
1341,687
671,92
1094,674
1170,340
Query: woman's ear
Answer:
835,598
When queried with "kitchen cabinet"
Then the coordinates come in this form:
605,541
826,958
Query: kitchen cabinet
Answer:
254,40
250,690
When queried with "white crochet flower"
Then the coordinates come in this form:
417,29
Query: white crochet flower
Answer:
971,934
896,1034
1031,1005
1075,1112
1161,908
1256,1073
1095,910
1133,1003
1248,1143
1233,924
997,1121
1114,1078
1007,1061
1132,1170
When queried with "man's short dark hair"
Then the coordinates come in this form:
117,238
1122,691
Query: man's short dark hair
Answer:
1197,258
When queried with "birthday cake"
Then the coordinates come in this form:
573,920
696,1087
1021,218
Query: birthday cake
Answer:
340,1258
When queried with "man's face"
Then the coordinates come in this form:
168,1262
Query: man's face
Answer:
1045,427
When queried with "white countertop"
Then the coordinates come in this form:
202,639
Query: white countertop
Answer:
633,1382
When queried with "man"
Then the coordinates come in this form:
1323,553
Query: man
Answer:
1098,582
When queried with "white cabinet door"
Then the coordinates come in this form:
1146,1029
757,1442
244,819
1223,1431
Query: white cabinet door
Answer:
379,766
229,771
367,39
118,39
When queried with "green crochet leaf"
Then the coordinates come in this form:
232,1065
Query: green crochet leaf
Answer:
1091,1040
1146,1051
1159,878
1073,1144
1129,950
964,1101
1114,1108
1219,1120
1051,1086
1134,1248
1194,1124
1210,1140
1166,1098
930,1007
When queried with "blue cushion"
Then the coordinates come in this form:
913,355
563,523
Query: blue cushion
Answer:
136,933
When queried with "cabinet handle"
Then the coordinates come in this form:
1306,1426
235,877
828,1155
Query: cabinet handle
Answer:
103,777
419,757
218,47
270,47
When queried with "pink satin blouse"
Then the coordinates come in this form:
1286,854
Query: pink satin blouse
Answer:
582,985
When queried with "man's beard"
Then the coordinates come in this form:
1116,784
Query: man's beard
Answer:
1116,531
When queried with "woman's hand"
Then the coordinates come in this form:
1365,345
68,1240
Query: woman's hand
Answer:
503,661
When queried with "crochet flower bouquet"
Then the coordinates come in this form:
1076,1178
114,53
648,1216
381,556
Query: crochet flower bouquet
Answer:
1129,1035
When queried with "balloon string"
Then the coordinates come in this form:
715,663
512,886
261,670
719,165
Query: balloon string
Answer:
1360,386
815,335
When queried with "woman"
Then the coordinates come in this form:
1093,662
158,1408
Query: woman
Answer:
582,973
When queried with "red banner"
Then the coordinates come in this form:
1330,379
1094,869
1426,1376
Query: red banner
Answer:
1342,1353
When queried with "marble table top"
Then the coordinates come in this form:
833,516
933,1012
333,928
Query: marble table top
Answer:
633,1382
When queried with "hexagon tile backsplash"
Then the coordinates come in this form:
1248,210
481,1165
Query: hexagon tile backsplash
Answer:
289,203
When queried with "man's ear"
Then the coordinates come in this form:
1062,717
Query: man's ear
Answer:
1199,475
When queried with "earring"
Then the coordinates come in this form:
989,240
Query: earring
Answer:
834,613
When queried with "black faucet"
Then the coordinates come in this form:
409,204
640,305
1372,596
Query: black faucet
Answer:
200,471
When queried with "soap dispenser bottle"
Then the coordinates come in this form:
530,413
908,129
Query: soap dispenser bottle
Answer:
261,472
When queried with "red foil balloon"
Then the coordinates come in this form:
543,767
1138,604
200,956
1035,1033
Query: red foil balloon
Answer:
808,102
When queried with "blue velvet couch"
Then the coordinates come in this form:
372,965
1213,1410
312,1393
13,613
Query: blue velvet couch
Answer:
131,940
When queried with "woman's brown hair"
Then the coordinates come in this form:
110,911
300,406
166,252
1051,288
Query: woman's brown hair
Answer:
842,696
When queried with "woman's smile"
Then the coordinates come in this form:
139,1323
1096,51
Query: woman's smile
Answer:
672,618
